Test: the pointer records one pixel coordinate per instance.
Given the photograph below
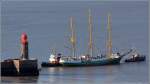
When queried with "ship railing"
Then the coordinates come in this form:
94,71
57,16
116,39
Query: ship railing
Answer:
90,58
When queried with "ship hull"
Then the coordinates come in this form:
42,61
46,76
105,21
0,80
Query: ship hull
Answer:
108,61
47,64
136,59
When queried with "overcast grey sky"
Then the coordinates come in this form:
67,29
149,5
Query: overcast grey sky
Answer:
74,0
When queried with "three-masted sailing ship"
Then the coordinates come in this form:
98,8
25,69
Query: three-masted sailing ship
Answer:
89,59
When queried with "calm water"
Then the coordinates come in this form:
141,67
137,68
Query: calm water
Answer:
47,26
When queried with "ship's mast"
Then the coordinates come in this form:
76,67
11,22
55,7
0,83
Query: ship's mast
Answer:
73,37
109,41
90,44
54,51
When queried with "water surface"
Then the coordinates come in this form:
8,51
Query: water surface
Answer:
47,26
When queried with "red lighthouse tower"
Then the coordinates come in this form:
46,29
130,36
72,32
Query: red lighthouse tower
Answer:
24,46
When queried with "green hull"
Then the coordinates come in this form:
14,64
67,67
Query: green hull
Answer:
107,61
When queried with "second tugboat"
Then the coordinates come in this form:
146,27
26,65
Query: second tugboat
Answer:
136,57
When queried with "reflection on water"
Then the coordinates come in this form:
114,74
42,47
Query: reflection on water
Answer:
111,78
26,79
113,74
46,23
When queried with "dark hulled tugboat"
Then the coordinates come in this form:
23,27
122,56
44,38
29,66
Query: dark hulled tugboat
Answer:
53,61
136,57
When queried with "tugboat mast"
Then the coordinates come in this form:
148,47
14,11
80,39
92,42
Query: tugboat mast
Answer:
54,51
109,41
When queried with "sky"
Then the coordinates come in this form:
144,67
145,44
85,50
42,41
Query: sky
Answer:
75,0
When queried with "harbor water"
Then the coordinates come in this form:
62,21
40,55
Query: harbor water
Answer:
47,26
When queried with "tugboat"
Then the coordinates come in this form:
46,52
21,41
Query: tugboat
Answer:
136,57
53,61
89,60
